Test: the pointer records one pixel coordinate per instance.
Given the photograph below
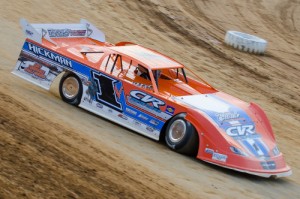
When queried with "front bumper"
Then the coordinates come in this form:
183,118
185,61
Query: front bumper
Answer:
285,172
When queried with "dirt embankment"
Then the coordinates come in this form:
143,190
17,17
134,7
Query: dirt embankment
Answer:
49,149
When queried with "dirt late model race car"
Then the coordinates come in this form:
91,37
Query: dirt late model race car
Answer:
151,94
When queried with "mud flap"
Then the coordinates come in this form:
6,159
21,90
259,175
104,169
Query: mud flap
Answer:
36,70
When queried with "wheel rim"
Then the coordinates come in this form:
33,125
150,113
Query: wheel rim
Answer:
177,130
70,87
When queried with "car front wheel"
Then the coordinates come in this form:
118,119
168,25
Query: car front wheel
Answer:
181,136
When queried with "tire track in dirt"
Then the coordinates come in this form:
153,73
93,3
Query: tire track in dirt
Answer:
40,158
278,26
194,40
287,16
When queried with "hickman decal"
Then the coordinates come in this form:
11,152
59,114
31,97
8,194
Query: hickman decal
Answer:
48,54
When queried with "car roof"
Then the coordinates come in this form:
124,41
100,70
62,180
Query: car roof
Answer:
148,58
151,59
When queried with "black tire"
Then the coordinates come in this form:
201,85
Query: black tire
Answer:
70,89
186,142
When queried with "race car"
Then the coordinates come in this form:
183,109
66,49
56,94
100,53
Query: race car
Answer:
151,94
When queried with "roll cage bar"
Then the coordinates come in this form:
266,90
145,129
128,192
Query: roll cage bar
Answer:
153,74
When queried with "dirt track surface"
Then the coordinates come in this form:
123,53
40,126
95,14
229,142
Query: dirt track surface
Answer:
49,149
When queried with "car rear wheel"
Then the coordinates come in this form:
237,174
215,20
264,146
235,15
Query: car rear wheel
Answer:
70,89
181,136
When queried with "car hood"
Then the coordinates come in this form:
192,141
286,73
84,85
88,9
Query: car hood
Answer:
236,120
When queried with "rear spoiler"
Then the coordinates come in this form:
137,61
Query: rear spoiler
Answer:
36,32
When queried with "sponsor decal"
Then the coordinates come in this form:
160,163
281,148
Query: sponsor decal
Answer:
219,157
154,122
28,32
147,103
85,81
132,112
66,33
99,105
142,105
58,32
147,99
27,59
243,130
234,123
91,89
237,151
143,117
227,116
49,55
271,165
209,151
77,33
37,70
170,110
142,85
150,129
137,123
215,155
123,116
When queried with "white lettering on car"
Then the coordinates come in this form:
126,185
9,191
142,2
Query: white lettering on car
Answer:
240,130
147,98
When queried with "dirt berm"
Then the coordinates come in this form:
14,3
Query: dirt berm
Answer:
49,149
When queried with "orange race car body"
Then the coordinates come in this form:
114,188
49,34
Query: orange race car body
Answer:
151,94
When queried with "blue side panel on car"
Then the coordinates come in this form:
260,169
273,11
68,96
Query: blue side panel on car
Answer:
101,87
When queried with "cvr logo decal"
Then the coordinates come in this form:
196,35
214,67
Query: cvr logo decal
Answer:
240,130
139,95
